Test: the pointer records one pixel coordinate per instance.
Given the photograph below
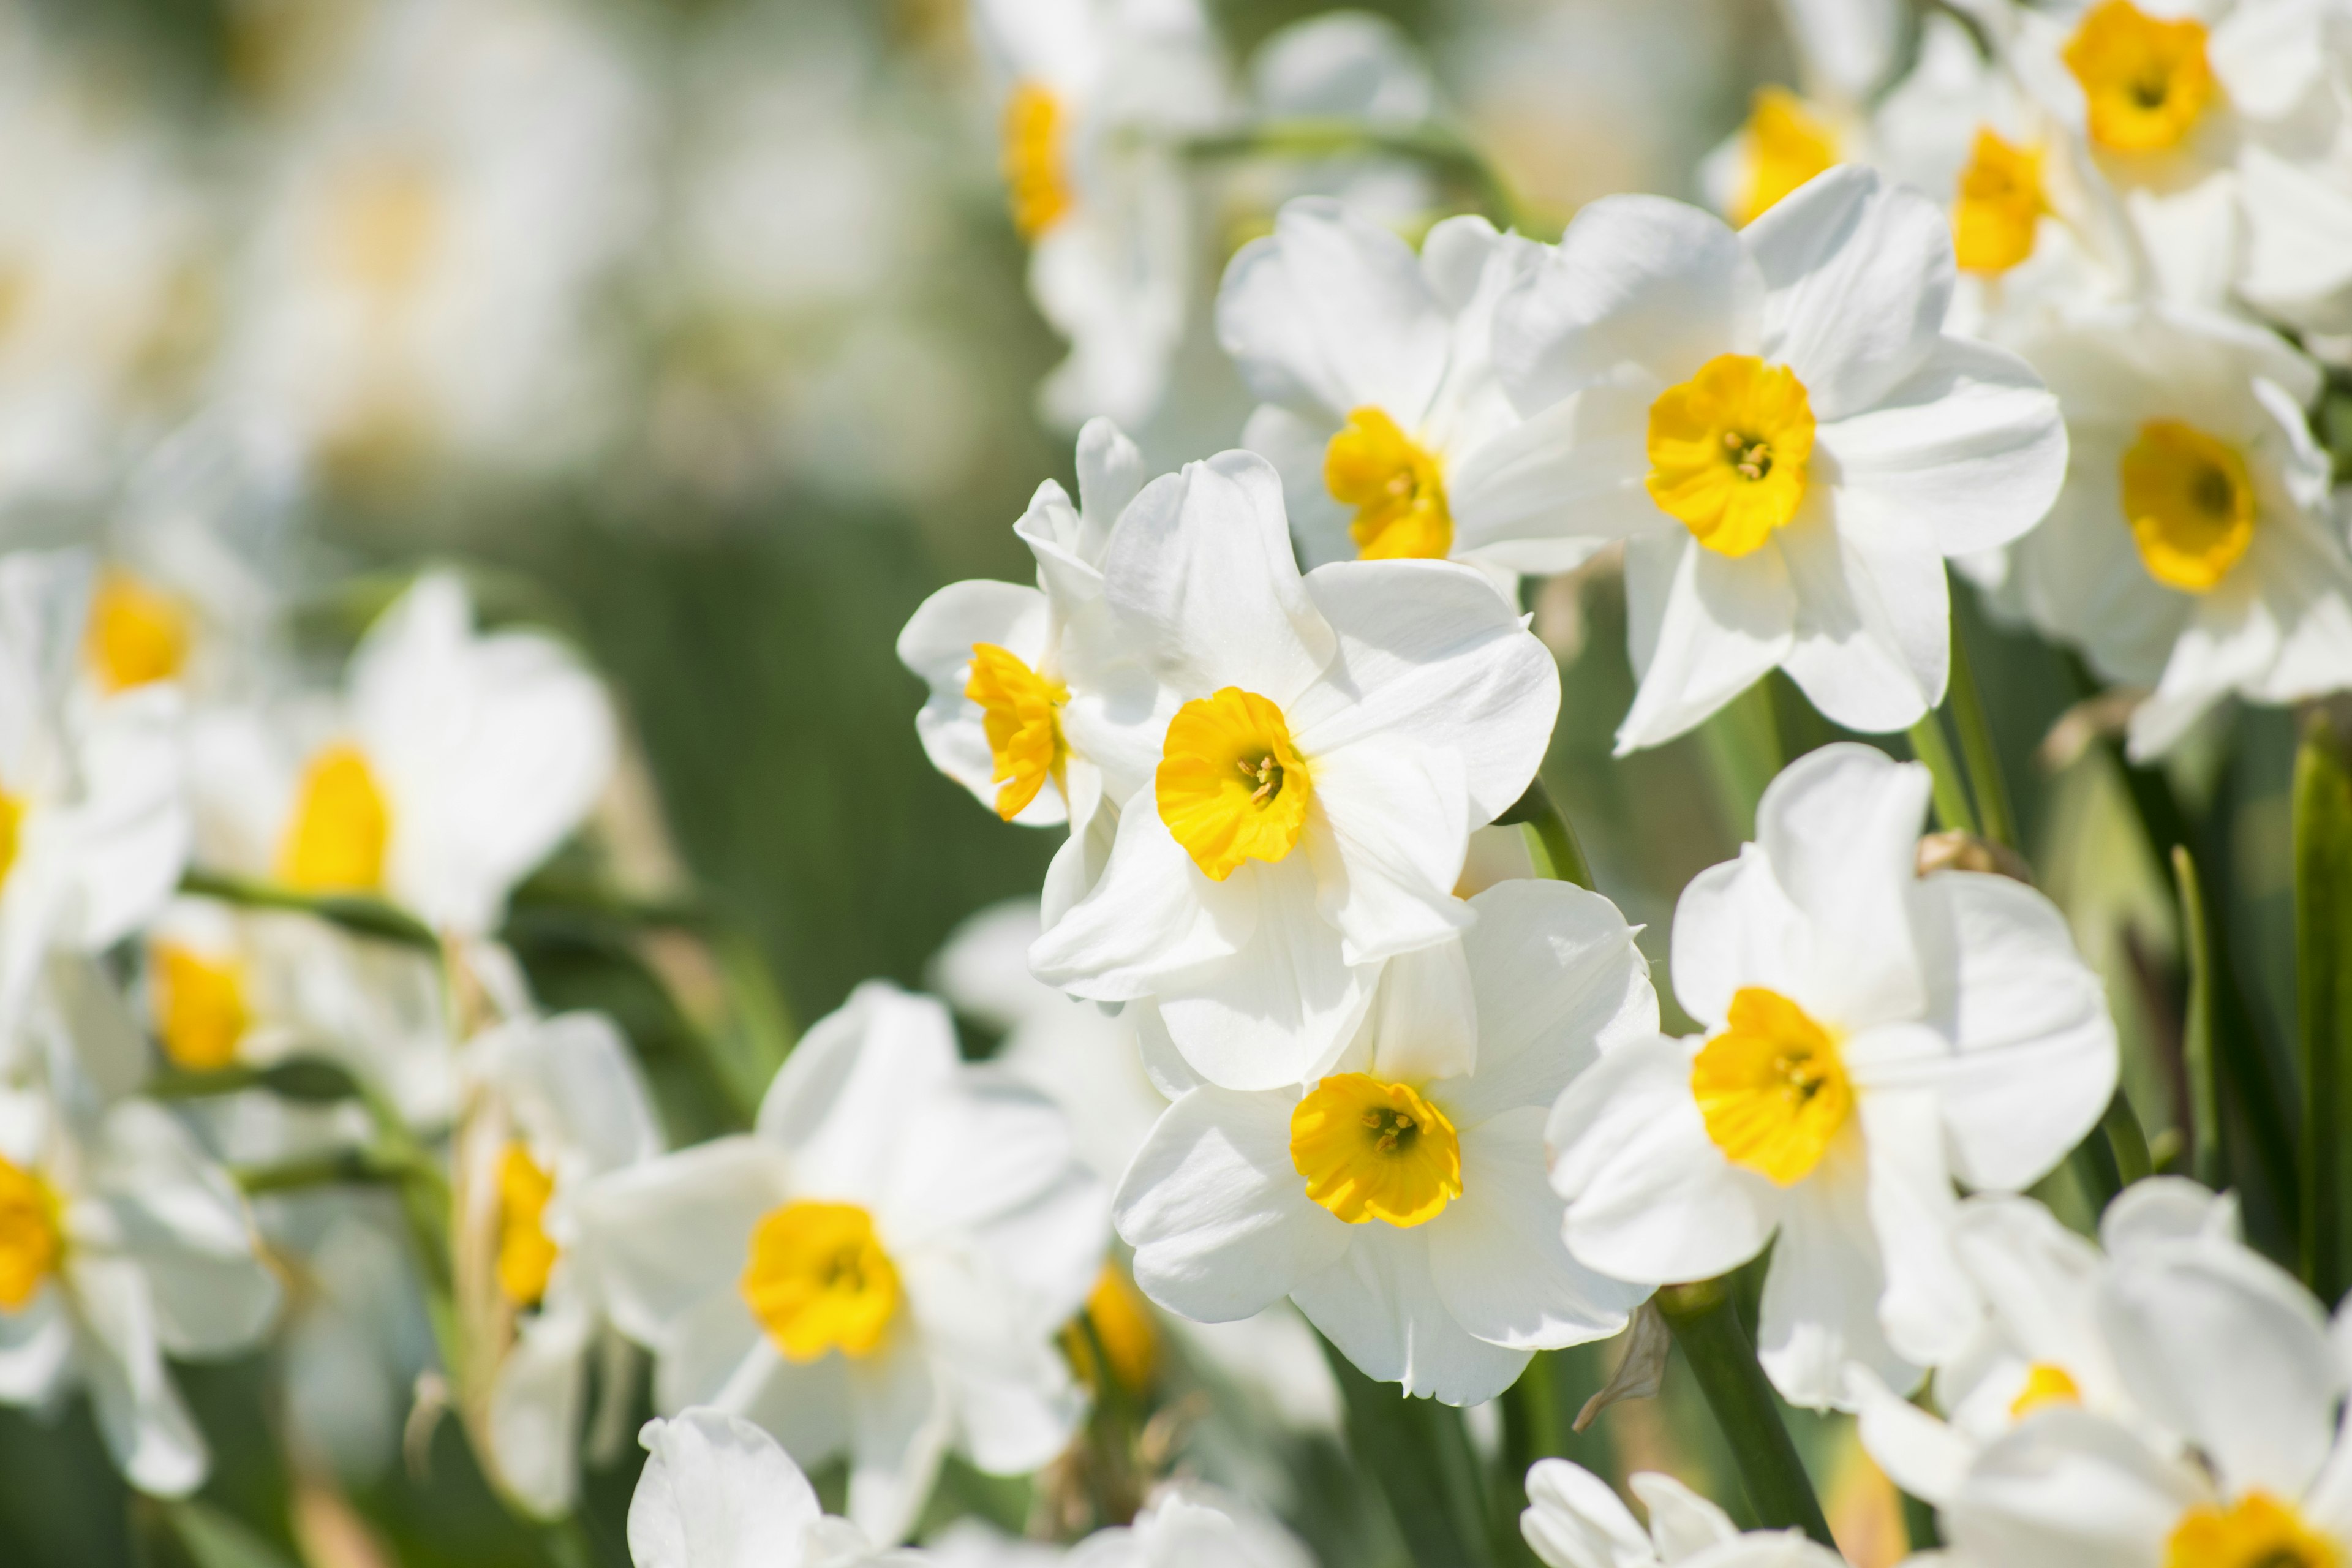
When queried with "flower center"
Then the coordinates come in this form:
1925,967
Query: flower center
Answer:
200,1011
1016,711
2145,81
526,1256
12,827
341,824
31,1241
1036,179
1370,1149
2257,1531
1771,1088
1395,486
1727,451
1787,145
386,222
2000,205
1231,786
1122,1327
818,1280
135,635
2044,1385
2190,502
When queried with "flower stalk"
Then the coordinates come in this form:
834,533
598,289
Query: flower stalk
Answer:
1707,1326
2323,959
1551,837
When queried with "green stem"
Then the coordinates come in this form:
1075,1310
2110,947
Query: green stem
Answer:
1418,1456
1317,137
1551,839
2095,1170
1707,1326
1928,745
367,917
2126,1141
2323,964
2197,1026
1983,759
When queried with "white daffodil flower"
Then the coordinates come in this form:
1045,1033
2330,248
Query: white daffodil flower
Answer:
563,1103
121,1243
879,1267
1095,94
1871,1033
1378,401
2192,549
718,1492
1777,423
2232,1359
1402,1200
1573,1520
1305,777
1003,660
1185,1525
2042,1341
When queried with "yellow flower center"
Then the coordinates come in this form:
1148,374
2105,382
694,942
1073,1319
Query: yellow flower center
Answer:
526,1256
1036,179
341,827
1016,712
2145,81
2044,1385
1771,1088
2257,1531
386,221
1231,786
200,1011
1122,1326
1373,1151
1395,486
2190,504
1787,145
31,1239
135,635
2000,205
818,1280
12,827
1727,451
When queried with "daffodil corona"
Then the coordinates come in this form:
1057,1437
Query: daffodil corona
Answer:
818,1280
1017,714
1231,785
1727,451
2000,205
1374,1151
1396,487
1771,1088
2146,80
2191,504
1785,143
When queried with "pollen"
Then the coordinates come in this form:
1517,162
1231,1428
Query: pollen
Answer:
1019,715
31,1240
2045,1384
1771,1088
1787,144
2146,82
2190,502
1231,786
200,1009
2000,205
136,635
1036,171
341,829
818,1280
2257,1531
526,1256
1728,449
1395,486
1372,1150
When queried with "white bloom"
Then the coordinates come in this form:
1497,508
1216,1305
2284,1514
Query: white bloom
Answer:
1401,1201
1343,65
1779,427
121,1243
1304,777
1871,1033
878,1268
2192,549
1574,1520
1185,1525
718,1493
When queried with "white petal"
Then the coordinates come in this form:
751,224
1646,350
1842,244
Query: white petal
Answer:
1923,1456
1872,647
2068,1490
130,826
899,1434
1736,927
1388,847
534,1412
1543,496
2157,1209
173,1214
1927,1308
1574,1520
937,643
1424,1022
147,1429
1682,1522
1379,1305
1150,913
1819,1312
573,1085
968,1155
1296,445
717,1492
36,1344
662,1236
836,1105
1703,628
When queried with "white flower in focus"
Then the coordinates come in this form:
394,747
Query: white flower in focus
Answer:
1305,777
878,1269
1402,1200
121,1243
718,1492
1573,1520
1777,423
2192,549
1870,1035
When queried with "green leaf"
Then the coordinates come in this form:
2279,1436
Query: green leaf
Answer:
215,1540
2323,959
1418,1454
366,917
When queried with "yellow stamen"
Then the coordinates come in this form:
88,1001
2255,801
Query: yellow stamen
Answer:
200,1011
1036,178
2257,1530
1231,786
1787,145
2190,504
818,1280
2147,81
1728,449
388,220
31,1239
341,827
2000,205
135,635
1017,713
1371,1150
2044,1385
526,1256
1771,1088
1395,486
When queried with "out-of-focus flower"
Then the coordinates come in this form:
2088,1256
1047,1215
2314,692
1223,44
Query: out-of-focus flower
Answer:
1400,1201
1574,1520
718,1492
877,1269
1304,777
1185,1525
1871,1033
1778,425
2192,549
1355,67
